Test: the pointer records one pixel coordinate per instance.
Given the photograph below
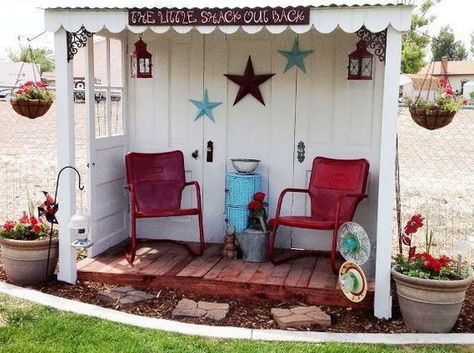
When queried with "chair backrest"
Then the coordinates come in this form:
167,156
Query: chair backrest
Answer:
330,178
157,178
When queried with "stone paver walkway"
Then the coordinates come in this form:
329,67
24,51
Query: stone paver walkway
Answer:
300,316
124,296
209,310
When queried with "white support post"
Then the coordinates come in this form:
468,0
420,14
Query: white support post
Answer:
383,299
66,156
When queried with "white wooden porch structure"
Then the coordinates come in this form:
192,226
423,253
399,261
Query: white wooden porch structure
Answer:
207,52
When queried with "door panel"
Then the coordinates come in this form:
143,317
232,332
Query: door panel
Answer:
108,143
179,77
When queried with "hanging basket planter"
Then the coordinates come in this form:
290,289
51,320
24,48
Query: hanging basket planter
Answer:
432,119
31,108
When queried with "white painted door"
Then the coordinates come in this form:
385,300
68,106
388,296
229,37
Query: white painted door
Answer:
333,119
108,143
165,121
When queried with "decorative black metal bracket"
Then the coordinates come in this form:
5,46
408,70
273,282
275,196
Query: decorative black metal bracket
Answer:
76,40
376,41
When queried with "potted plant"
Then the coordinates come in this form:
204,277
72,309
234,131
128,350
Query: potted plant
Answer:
431,290
32,99
25,248
439,112
254,239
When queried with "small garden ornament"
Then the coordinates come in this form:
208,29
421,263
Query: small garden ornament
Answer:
431,290
230,251
32,99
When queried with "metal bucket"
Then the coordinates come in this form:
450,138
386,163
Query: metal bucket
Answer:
254,245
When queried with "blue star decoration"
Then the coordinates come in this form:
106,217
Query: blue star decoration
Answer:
295,57
205,107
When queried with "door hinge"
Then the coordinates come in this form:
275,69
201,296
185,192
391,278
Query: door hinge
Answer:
90,165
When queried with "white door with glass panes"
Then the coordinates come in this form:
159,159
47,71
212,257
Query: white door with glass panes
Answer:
108,142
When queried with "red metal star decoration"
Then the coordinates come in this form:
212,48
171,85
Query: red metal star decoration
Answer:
249,83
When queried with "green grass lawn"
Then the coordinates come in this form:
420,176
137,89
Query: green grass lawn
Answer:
30,328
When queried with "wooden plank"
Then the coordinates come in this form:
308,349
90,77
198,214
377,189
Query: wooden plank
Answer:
263,272
279,274
231,271
85,262
322,276
248,271
201,265
216,270
250,291
181,265
301,272
166,262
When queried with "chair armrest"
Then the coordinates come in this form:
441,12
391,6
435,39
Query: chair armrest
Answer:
282,195
198,192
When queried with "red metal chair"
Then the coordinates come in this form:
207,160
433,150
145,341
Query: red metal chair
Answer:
156,182
336,187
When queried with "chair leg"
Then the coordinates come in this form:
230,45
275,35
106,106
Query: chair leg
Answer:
202,244
130,255
271,242
333,252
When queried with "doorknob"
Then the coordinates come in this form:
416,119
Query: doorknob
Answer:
210,151
195,154
300,151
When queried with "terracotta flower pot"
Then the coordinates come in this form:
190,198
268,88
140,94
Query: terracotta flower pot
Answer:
31,108
25,261
430,305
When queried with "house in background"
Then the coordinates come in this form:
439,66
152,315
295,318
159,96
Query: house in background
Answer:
456,72
14,74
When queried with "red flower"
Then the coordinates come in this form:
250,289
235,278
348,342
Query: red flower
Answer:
443,260
40,84
37,229
464,102
449,90
413,224
9,225
254,205
28,83
259,196
33,221
443,83
20,91
24,219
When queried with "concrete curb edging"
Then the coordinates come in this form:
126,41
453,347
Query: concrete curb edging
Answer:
228,331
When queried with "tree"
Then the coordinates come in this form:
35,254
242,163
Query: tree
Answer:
417,39
40,56
446,45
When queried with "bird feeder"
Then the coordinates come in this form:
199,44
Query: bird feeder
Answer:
81,225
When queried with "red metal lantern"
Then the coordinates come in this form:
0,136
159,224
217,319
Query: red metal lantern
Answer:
140,61
360,63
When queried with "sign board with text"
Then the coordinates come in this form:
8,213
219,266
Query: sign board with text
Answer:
219,17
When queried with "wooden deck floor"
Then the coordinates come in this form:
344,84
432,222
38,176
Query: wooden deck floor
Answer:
164,265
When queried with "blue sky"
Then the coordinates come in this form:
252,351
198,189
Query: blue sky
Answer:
23,18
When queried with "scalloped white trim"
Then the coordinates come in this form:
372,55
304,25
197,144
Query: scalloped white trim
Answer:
323,20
